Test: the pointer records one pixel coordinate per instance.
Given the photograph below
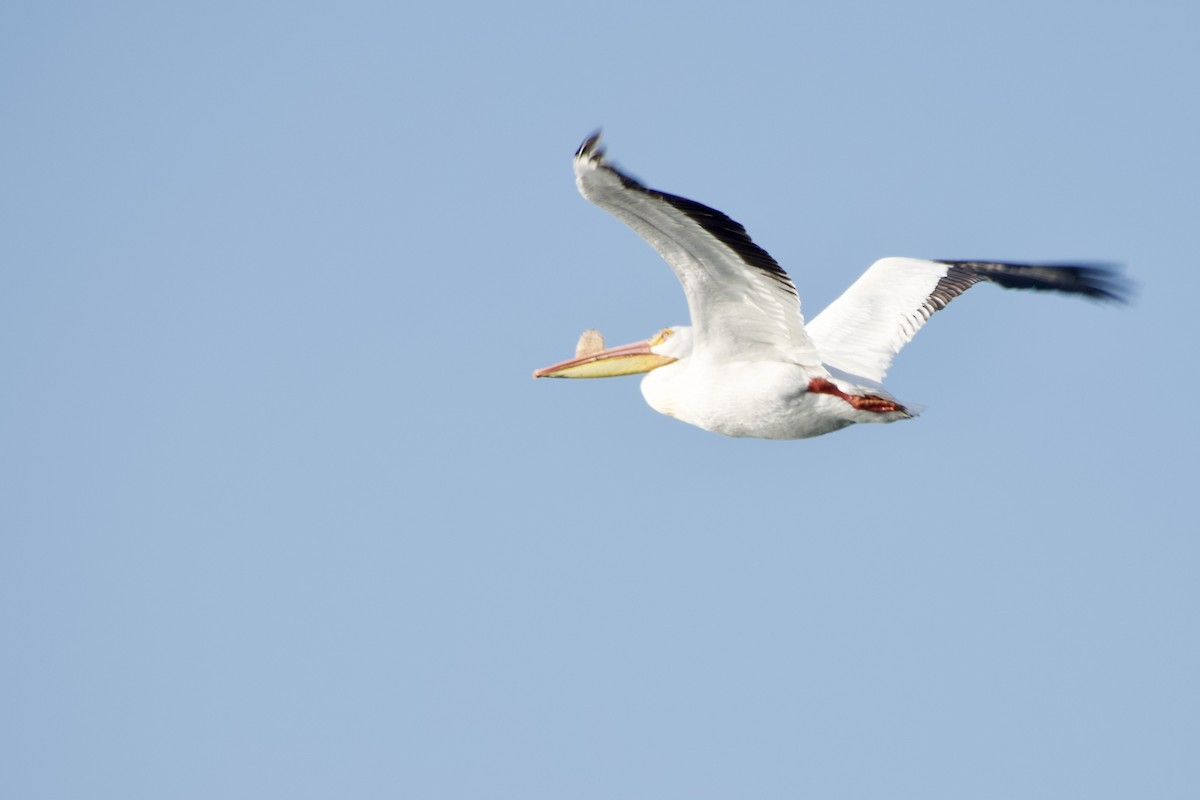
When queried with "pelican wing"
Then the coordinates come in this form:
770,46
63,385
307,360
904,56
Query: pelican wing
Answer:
742,304
861,331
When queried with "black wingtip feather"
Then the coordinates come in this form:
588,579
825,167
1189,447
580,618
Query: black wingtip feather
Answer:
1096,280
727,230
591,145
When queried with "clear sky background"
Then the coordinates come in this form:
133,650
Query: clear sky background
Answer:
284,514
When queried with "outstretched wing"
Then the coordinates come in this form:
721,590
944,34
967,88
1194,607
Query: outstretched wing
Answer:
742,304
861,331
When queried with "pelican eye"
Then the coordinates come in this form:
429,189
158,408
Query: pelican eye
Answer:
661,336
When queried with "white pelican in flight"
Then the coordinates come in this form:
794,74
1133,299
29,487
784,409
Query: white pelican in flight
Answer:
748,365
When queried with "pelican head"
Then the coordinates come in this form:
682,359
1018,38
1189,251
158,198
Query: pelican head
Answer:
593,360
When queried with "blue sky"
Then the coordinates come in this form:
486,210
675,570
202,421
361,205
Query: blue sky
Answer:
284,513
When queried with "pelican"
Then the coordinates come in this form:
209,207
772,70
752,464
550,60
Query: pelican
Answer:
748,365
